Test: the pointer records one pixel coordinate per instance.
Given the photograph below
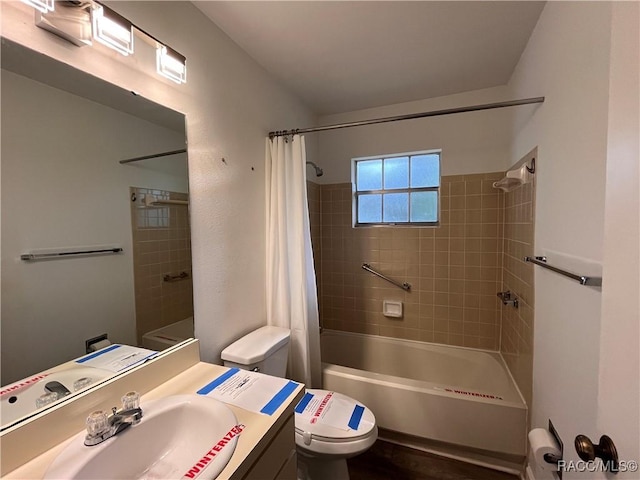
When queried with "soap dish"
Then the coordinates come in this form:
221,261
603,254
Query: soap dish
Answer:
392,309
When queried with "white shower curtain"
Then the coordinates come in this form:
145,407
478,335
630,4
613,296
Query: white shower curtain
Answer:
292,300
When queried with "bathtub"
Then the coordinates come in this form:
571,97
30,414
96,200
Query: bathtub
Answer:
460,396
169,335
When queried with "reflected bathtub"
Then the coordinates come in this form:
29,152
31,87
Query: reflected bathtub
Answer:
460,396
169,335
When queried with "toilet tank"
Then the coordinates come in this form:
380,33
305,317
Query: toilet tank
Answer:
265,350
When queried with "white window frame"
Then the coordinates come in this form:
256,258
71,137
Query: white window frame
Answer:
356,194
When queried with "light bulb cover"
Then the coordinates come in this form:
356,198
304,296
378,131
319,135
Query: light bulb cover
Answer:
112,29
42,5
171,64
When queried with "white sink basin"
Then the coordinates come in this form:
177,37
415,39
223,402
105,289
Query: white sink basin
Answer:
21,401
176,435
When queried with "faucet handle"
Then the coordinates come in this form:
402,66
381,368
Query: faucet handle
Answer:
81,383
97,423
46,399
130,400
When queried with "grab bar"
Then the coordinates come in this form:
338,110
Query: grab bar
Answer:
405,286
583,280
174,278
31,257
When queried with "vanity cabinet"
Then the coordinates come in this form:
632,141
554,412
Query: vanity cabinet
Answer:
278,460
266,448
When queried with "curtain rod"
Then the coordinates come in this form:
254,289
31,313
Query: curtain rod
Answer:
155,155
410,116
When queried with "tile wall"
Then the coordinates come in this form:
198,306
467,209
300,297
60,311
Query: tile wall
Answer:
161,246
516,343
454,269
314,202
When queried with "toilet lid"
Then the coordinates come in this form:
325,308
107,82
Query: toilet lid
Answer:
332,416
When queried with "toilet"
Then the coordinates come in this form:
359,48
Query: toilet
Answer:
322,445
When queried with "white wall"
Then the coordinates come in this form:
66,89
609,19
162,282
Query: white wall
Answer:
619,394
567,61
62,186
473,142
231,104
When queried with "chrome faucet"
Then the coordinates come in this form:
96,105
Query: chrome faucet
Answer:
57,387
508,298
101,426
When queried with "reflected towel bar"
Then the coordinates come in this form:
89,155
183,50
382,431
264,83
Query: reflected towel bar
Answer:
31,257
153,201
155,155
405,286
583,280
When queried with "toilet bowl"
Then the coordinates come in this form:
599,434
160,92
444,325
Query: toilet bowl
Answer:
323,448
329,427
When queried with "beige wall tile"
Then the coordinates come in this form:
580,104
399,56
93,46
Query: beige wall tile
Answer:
454,269
457,203
516,336
457,188
474,215
161,245
473,185
457,216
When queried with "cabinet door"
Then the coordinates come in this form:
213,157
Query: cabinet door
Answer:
290,469
277,459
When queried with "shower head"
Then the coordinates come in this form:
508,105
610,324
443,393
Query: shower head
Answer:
319,171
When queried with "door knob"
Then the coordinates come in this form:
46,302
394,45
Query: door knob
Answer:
606,450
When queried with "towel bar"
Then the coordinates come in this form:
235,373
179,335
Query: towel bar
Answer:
583,280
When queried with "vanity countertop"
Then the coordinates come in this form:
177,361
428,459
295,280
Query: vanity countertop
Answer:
258,433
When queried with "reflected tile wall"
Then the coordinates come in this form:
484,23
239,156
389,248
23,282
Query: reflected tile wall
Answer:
454,269
161,245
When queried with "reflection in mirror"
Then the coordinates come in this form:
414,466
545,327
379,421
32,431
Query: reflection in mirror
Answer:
64,190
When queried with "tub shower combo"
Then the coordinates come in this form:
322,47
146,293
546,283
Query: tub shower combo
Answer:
424,387
461,396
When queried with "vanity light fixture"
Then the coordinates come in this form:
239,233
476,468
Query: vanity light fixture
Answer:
112,29
77,21
42,5
70,20
171,64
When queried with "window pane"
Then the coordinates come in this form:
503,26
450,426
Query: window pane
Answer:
396,172
370,208
425,171
396,207
369,175
424,206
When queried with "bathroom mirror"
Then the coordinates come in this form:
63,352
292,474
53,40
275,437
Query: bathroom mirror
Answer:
64,191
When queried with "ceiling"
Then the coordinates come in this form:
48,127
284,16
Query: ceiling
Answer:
340,56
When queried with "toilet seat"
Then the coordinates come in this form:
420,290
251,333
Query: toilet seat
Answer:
321,439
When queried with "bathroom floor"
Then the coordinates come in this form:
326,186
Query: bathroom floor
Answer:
386,460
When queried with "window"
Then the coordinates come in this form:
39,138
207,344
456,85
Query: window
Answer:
400,189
